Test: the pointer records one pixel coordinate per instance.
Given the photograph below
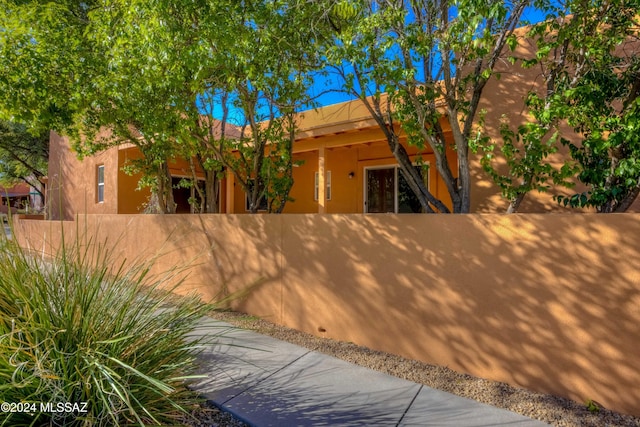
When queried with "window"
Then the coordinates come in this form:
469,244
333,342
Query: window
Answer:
327,193
387,190
100,184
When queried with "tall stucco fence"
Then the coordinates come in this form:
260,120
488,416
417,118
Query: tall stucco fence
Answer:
546,302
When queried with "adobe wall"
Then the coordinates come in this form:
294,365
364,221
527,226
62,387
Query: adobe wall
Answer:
546,302
503,100
72,187
347,165
131,199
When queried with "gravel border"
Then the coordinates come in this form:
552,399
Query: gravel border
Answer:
557,411
210,416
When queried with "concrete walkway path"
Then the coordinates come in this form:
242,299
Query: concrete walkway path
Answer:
267,382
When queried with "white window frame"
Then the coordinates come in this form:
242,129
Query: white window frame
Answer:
100,184
327,192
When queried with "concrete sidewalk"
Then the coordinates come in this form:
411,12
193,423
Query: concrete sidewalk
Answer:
267,382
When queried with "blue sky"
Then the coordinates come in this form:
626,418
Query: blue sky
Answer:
531,15
322,83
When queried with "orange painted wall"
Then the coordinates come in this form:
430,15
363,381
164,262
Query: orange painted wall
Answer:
503,98
181,168
546,302
344,154
347,194
130,199
239,200
73,183
303,188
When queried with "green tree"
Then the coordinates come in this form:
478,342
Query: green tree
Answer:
134,93
23,156
42,61
588,56
417,65
150,68
254,63
528,156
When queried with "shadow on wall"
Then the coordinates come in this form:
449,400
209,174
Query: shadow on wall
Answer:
238,257
550,303
546,302
505,96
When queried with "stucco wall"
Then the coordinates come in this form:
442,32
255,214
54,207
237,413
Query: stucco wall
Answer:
347,192
503,100
131,199
72,187
547,302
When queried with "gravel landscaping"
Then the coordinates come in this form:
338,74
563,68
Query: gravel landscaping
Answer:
554,410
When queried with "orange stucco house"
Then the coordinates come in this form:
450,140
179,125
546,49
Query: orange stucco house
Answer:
339,144
347,166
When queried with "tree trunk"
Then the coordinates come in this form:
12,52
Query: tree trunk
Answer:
169,203
464,182
415,181
514,205
255,195
161,201
628,200
416,184
212,191
288,173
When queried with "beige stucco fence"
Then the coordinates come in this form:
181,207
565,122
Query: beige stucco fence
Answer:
546,302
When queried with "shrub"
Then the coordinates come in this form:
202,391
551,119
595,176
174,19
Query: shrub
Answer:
75,329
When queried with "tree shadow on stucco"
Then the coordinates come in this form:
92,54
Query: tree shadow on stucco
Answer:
231,257
544,302
464,293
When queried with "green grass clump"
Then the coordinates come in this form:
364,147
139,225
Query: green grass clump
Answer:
74,328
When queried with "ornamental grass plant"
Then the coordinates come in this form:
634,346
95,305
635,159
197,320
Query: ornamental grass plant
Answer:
86,342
